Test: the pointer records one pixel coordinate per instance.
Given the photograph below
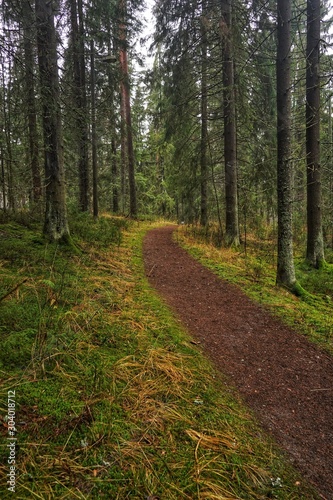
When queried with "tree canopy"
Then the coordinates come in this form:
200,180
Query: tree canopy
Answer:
193,138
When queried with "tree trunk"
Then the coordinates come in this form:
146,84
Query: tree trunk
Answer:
285,260
204,120
114,171
55,224
3,181
93,130
113,85
123,146
7,129
80,100
125,96
315,242
230,146
28,23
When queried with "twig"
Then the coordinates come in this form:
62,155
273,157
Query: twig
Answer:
13,290
152,269
324,389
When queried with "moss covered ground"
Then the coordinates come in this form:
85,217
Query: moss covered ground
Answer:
112,398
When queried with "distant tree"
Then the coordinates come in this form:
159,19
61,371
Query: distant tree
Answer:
183,30
55,224
285,260
256,91
315,241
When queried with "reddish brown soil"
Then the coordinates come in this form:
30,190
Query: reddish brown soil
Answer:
285,379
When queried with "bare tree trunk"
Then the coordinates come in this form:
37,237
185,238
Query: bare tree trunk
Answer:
330,159
84,160
55,224
204,119
3,181
123,146
28,23
285,264
80,99
93,130
315,242
125,96
230,142
6,110
114,171
10,176
113,85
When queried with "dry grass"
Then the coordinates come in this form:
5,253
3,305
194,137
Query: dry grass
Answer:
255,272
216,442
109,403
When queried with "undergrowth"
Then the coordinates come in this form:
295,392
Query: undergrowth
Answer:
113,400
253,268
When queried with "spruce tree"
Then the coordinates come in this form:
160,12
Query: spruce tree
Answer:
315,241
230,139
55,223
285,260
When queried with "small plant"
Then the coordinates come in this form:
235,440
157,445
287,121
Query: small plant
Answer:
255,273
101,232
113,400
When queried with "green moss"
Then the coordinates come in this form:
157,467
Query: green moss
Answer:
306,307
107,382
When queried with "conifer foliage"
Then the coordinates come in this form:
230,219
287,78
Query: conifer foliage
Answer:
196,137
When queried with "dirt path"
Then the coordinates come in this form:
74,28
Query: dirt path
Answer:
287,381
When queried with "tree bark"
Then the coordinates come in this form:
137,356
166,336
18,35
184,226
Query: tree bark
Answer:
315,242
114,171
55,224
123,146
126,103
93,130
28,23
230,142
204,120
113,84
3,181
285,260
80,99
7,129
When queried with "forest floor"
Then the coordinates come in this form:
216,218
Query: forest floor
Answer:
284,378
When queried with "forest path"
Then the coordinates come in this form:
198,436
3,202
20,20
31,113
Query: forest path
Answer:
285,379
